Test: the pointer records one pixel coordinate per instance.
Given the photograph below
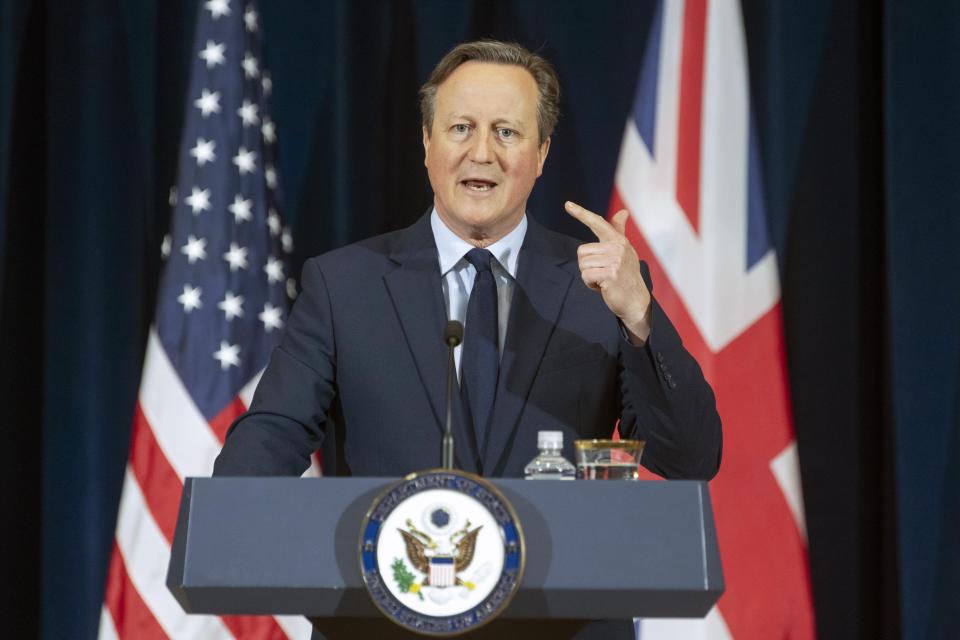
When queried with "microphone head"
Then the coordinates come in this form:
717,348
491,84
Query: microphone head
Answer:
453,333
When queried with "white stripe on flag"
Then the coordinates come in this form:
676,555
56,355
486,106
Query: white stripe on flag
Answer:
180,429
107,630
712,627
786,469
668,97
246,394
296,627
146,555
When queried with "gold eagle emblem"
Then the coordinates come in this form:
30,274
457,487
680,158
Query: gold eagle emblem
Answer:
421,547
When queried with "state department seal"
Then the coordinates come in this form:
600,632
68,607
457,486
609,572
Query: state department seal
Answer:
441,552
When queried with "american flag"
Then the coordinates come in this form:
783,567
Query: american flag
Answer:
689,173
223,298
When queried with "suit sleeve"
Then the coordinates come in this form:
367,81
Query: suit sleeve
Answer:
286,419
668,403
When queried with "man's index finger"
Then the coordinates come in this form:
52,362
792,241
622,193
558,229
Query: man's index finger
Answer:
597,224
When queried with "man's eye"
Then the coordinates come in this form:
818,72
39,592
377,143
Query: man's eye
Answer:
507,133
460,128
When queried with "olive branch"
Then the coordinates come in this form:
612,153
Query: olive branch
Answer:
405,579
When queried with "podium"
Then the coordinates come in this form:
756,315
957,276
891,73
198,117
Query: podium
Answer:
594,549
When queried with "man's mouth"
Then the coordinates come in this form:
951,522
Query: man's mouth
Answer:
478,185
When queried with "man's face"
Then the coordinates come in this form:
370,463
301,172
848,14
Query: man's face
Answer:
483,154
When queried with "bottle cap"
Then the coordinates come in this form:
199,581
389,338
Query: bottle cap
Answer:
550,440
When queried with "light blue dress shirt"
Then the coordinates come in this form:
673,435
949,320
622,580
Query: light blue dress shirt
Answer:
457,274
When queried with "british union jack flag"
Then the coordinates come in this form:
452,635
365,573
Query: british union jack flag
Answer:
689,173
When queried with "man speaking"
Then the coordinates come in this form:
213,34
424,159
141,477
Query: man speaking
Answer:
558,335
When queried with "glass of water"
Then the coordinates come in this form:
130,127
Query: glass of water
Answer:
608,459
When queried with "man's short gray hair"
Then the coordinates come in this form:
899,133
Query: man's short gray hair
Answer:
497,52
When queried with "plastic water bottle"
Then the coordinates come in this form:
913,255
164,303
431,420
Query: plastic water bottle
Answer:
550,463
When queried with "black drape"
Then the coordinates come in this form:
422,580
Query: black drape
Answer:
856,105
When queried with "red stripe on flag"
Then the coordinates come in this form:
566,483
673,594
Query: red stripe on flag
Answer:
690,108
764,557
161,491
222,421
254,628
131,616
764,554
159,483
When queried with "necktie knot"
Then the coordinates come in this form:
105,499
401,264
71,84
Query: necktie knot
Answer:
480,259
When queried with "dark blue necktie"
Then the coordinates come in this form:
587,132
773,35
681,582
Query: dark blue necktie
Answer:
480,361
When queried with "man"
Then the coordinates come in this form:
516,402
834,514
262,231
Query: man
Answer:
557,336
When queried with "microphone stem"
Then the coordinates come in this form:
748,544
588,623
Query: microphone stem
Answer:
447,446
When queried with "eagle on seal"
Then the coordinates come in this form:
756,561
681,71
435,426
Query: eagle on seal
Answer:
417,552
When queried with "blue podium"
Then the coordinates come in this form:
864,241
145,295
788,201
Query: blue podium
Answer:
595,550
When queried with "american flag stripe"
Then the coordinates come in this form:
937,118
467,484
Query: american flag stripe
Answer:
246,393
181,431
107,631
295,626
689,173
221,303
145,553
151,469
221,422
124,603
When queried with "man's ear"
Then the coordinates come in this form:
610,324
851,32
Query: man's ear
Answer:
426,145
542,155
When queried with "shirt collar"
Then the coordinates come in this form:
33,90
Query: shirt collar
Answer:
451,247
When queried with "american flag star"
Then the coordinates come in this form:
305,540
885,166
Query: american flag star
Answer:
217,8
246,160
269,130
250,19
250,66
248,113
231,305
240,208
195,249
198,200
213,54
203,151
208,102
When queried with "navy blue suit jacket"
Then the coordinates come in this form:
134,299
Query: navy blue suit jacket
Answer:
362,371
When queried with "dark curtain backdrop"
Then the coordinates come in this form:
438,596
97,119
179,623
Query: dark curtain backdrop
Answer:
856,103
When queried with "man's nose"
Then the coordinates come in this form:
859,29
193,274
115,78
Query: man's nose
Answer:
481,150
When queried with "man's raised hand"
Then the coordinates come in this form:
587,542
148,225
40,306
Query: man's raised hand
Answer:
611,267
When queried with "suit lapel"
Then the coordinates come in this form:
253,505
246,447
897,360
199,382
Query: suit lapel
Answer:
417,295
538,296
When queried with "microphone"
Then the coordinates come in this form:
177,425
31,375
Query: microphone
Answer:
452,336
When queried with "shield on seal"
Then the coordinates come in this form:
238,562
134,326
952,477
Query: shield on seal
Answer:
441,571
